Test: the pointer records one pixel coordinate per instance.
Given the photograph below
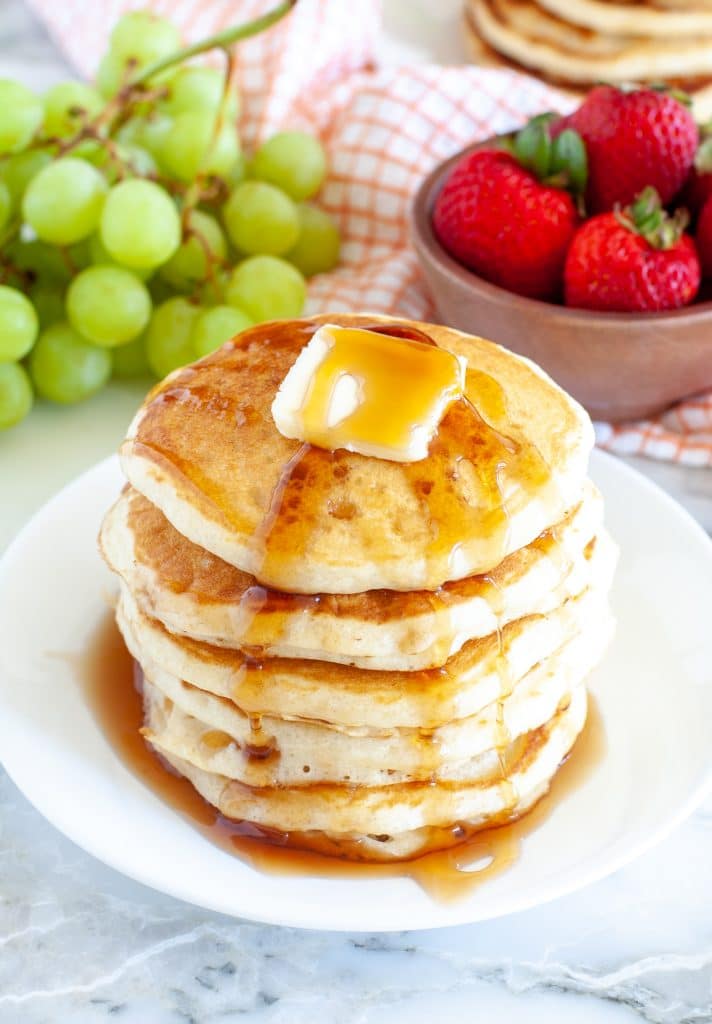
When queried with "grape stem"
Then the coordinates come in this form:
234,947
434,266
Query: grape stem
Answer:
221,40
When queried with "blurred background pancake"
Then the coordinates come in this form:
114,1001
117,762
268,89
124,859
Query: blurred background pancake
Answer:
579,43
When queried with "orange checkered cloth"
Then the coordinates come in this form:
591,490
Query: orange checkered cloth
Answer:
384,129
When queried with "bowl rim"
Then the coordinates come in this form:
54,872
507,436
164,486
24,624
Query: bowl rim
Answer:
422,231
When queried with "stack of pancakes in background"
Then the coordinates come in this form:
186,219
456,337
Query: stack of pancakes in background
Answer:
579,43
377,658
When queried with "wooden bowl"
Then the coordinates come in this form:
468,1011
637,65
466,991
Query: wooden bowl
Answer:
618,365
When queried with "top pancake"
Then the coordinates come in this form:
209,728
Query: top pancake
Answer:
205,450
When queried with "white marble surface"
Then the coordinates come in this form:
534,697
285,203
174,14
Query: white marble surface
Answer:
80,944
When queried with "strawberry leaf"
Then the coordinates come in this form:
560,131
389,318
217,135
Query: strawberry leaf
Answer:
568,157
532,147
646,217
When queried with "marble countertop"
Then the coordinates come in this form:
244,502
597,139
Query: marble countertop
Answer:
81,944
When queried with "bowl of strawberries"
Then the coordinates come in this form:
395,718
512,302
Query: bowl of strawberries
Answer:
585,243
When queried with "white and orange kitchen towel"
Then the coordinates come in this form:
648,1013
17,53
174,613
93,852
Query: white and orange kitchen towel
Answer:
384,129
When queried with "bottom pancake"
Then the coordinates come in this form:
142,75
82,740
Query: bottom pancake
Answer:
397,822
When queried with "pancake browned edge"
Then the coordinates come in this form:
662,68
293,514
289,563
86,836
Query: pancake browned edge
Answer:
418,670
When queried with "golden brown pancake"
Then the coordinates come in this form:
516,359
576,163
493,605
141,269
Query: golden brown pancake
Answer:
504,465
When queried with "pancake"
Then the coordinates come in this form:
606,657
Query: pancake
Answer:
503,467
196,594
529,764
526,33
218,737
633,19
355,699
698,88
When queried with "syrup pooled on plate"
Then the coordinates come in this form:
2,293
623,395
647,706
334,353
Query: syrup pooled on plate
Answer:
112,683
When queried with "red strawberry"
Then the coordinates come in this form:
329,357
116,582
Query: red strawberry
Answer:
704,239
635,261
634,139
494,216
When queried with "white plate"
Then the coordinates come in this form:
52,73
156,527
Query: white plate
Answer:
654,693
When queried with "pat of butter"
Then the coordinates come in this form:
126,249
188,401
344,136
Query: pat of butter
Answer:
368,392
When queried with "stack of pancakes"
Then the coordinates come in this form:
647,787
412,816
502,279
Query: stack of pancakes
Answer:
579,43
377,658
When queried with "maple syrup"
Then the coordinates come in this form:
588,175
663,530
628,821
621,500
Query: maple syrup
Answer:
112,683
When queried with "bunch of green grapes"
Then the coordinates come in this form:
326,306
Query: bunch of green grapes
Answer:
135,236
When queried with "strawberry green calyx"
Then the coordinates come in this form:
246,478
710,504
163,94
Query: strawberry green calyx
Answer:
560,162
647,217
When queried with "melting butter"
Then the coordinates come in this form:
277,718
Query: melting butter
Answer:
367,392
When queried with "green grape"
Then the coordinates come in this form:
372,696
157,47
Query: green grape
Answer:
317,248
98,254
69,105
19,170
138,160
261,219
80,256
294,161
212,291
110,74
5,204
48,300
108,305
213,327
143,37
201,89
189,263
15,394
266,288
94,151
189,146
239,172
63,202
129,134
65,367
20,115
131,360
140,226
153,132
160,290
18,325
41,261
169,335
